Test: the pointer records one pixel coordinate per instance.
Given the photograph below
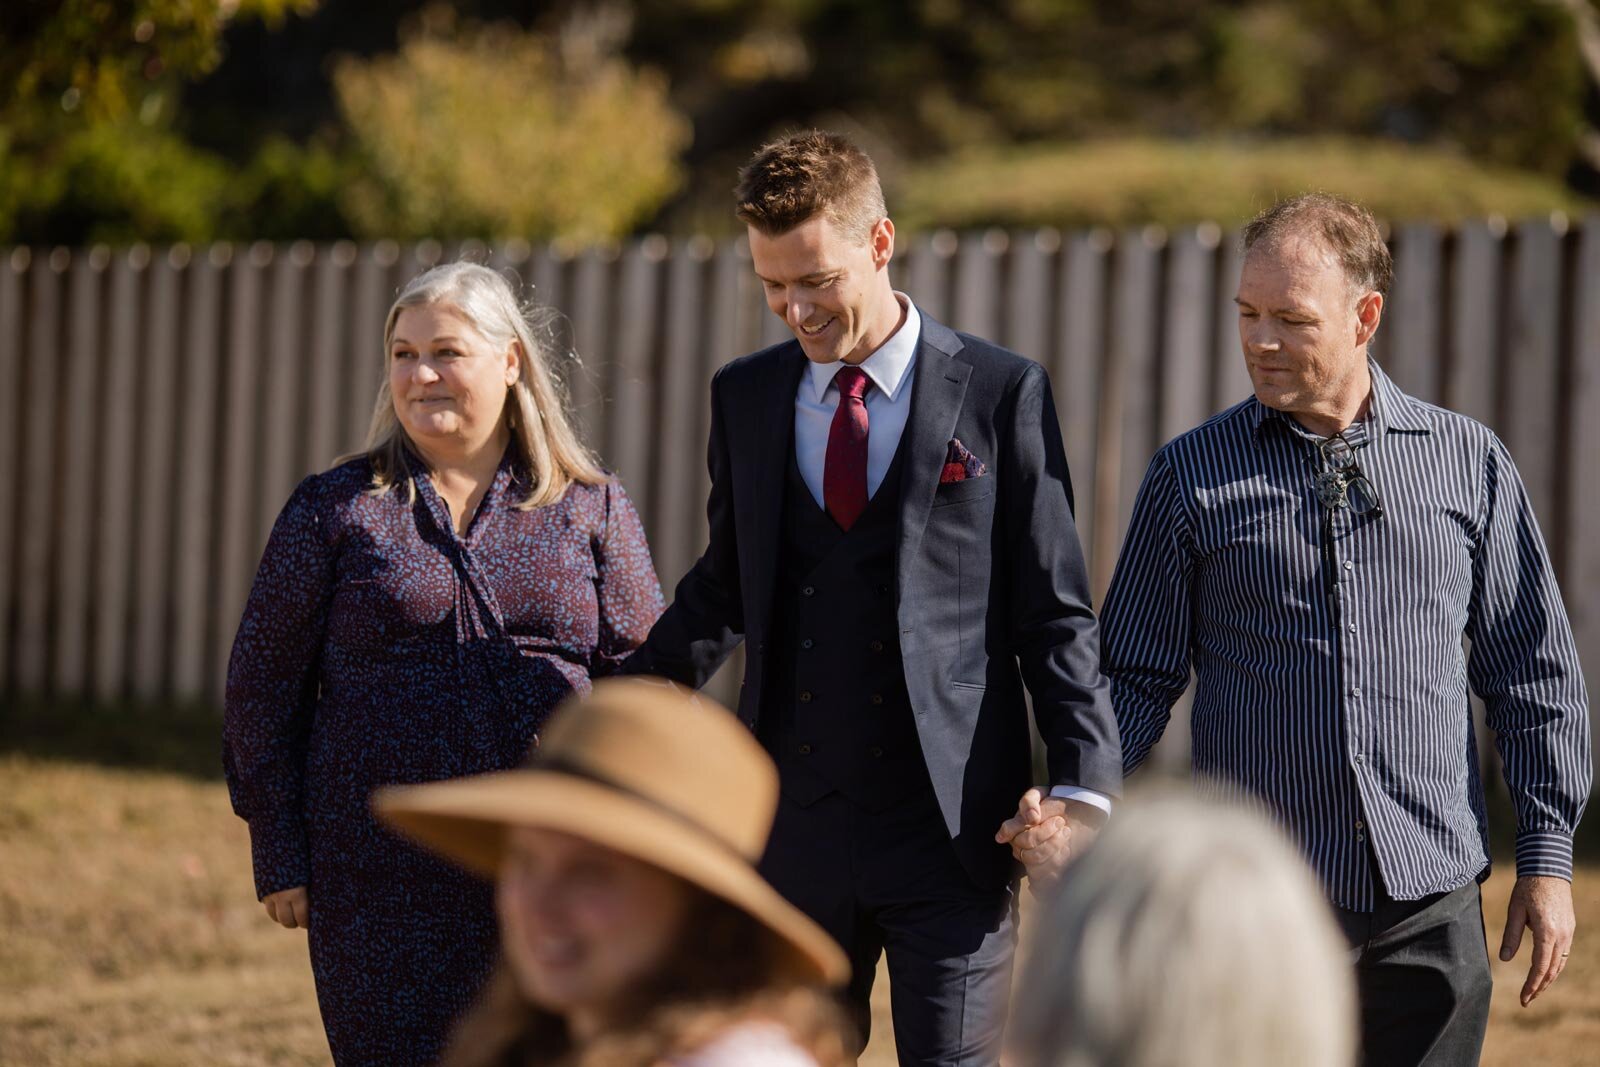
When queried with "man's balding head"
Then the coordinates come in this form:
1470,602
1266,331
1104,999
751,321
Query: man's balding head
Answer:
1345,230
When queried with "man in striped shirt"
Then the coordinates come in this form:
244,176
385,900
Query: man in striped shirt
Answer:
1338,563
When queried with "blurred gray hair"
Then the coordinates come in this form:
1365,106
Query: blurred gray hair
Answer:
1189,935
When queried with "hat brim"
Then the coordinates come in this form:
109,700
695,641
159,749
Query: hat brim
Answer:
466,820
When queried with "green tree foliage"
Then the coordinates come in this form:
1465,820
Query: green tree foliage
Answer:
116,181
88,147
1501,80
95,55
495,132
1131,182
571,117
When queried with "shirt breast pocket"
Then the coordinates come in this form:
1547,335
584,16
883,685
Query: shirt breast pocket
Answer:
1252,528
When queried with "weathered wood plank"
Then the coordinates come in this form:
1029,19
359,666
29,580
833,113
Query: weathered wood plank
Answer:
1134,341
238,548
373,290
631,421
75,439
593,313
284,396
158,487
1030,303
980,264
1230,377
685,391
1475,320
13,267
1580,568
199,455
1078,376
113,556
1411,355
1531,390
928,271
41,459
1185,378
328,325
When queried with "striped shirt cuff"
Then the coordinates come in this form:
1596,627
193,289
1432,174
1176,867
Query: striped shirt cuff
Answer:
1544,852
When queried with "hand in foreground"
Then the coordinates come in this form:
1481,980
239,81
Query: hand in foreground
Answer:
289,908
1544,905
1046,833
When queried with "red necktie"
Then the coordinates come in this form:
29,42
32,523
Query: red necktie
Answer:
844,473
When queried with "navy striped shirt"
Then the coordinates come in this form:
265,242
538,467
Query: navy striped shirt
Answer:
1332,675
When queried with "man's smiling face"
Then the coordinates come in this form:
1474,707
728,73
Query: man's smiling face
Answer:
828,286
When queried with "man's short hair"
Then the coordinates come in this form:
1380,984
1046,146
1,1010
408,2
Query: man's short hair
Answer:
1344,227
796,178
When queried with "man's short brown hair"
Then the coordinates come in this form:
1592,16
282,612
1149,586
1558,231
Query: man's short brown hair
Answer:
798,177
1344,227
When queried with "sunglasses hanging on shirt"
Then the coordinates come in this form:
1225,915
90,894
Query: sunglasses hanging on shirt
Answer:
1340,482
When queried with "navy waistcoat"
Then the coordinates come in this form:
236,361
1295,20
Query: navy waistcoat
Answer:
836,714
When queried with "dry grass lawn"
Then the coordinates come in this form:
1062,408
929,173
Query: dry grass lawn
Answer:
129,937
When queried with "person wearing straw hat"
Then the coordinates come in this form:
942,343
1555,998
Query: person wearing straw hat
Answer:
634,926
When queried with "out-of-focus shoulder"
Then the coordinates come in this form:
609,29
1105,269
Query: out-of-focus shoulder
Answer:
749,1044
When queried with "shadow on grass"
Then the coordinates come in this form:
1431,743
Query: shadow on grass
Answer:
183,739
186,739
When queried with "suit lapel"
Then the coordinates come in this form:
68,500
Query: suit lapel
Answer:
936,394
771,436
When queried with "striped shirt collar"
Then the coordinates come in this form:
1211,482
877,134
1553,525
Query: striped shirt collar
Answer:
1390,409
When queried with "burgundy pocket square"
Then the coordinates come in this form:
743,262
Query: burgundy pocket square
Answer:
959,464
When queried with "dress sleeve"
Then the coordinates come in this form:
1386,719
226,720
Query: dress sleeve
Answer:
626,588
272,689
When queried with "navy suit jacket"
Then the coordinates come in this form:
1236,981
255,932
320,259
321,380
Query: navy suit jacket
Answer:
991,591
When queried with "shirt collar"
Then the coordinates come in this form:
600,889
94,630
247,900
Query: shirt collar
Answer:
888,367
1390,408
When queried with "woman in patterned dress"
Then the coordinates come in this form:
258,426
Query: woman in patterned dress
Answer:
417,614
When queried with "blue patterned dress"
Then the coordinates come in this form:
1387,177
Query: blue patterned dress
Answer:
377,647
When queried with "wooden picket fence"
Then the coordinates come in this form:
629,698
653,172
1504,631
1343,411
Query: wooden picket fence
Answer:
158,405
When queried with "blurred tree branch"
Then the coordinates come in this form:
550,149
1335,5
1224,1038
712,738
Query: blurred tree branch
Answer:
92,54
1586,18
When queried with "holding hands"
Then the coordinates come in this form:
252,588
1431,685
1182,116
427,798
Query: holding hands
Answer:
1047,833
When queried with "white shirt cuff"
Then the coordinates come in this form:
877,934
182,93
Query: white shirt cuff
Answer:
1087,796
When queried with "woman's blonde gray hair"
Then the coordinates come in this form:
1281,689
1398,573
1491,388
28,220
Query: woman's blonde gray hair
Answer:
1191,934
543,437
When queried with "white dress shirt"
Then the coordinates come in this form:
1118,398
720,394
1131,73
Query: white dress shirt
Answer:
892,369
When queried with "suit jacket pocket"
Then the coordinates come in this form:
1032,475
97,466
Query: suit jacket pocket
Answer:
963,491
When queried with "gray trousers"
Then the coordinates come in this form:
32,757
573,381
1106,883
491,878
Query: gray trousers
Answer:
1422,976
889,883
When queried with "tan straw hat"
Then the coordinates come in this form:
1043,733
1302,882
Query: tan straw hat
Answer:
651,770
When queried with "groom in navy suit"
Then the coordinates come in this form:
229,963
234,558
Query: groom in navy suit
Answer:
892,538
